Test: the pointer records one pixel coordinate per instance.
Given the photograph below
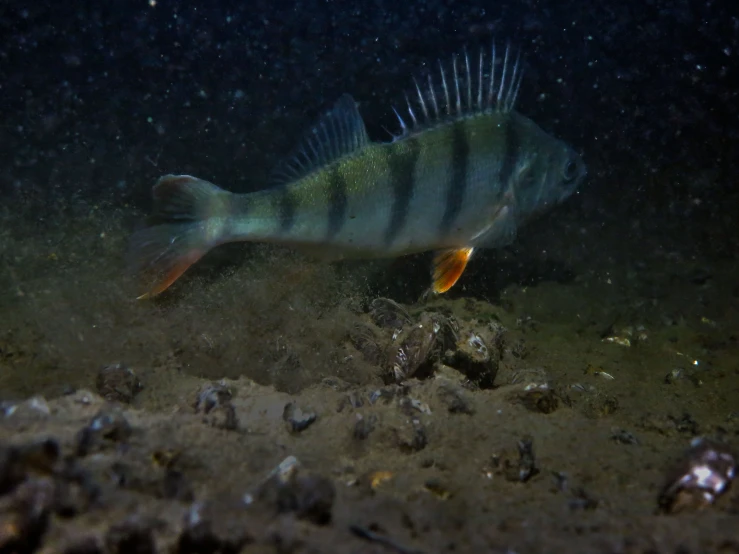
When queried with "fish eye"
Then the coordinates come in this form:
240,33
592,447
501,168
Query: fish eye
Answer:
569,172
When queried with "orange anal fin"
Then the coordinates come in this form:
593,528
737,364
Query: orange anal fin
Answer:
164,280
448,267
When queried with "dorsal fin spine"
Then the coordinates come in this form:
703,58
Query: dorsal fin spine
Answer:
513,89
492,80
469,80
421,100
503,77
403,126
496,89
410,111
456,87
433,96
340,132
479,82
446,90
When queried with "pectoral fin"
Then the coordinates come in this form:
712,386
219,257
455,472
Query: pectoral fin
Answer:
448,267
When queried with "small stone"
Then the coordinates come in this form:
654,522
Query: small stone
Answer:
539,399
24,516
455,400
132,535
176,487
364,426
108,426
214,402
411,406
288,489
476,356
34,408
118,383
412,438
704,474
519,349
211,396
311,497
217,526
622,436
599,405
297,419
386,394
520,468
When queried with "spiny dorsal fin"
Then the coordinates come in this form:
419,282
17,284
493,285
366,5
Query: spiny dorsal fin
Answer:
338,133
464,89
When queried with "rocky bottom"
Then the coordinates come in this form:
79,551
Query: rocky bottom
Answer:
589,410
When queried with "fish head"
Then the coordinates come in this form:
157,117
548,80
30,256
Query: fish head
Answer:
547,171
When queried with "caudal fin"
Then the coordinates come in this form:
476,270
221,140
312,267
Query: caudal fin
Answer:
184,206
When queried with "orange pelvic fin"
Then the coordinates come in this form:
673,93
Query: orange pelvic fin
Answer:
448,267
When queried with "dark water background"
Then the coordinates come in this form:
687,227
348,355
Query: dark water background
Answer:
98,99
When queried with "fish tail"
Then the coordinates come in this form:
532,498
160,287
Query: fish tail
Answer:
190,222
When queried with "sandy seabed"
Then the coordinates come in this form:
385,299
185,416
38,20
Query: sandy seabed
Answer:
259,405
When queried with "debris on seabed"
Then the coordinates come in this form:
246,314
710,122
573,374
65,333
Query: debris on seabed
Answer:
622,341
599,372
704,474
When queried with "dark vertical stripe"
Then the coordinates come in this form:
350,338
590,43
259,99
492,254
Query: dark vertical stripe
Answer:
286,203
457,185
337,202
402,163
512,149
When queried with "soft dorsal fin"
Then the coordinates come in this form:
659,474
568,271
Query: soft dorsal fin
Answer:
470,86
338,133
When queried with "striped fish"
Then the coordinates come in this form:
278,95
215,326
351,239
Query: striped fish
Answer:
464,173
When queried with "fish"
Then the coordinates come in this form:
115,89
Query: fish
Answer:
465,171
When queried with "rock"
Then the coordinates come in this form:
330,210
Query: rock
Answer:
310,497
18,462
364,426
135,534
455,400
410,406
476,355
411,438
519,349
705,473
297,419
211,396
176,487
214,402
220,525
596,406
288,489
25,515
386,394
622,436
519,468
108,426
76,490
540,399
118,383
33,409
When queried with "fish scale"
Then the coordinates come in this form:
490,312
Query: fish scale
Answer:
466,173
